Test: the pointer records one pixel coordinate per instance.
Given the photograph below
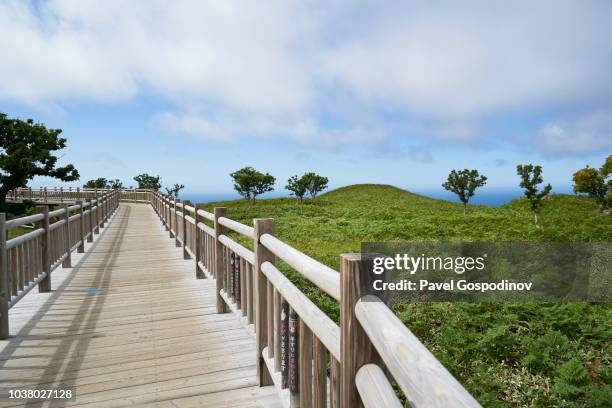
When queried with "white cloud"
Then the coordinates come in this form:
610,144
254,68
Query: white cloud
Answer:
462,60
237,54
229,128
585,135
281,66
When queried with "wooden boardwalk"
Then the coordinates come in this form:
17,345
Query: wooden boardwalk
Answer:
129,324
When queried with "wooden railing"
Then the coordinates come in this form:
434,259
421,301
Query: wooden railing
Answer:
60,194
313,361
28,260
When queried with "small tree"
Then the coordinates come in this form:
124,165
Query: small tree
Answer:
464,183
250,183
531,177
297,187
145,181
26,151
174,190
115,184
314,183
100,182
593,182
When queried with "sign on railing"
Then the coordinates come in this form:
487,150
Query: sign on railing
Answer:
309,358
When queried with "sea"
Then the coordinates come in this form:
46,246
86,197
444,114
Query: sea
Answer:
488,196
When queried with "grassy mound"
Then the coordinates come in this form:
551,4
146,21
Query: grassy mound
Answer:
506,354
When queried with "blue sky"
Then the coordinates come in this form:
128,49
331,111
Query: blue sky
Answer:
393,92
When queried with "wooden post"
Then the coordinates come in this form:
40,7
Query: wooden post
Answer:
356,350
45,246
199,272
184,237
219,266
67,263
61,194
30,192
102,210
45,195
262,254
171,216
81,247
319,375
4,281
164,212
97,226
176,224
91,225
305,366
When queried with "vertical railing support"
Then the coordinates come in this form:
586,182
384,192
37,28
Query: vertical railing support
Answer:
184,237
199,272
90,217
219,267
262,254
175,215
81,247
67,263
44,285
4,281
102,210
96,229
356,350
171,215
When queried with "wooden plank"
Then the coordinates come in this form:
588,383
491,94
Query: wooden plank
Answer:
130,323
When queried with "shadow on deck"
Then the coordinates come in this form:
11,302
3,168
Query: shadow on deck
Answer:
129,324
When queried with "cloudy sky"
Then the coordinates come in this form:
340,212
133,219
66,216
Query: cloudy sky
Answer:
385,92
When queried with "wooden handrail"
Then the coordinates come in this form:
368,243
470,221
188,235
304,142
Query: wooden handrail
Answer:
320,274
296,342
374,388
327,330
424,381
30,258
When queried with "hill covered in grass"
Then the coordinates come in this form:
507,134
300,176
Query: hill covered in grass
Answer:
506,354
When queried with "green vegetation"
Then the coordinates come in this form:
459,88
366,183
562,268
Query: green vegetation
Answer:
27,150
174,190
464,183
100,182
531,177
596,183
250,183
506,354
146,181
311,183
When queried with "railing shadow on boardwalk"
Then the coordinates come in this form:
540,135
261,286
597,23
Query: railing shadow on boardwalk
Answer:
85,316
308,358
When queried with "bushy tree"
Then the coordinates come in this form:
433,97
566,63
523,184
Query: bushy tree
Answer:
116,184
250,183
595,183
531,177
297,186
100,182
26,151
464,183
145,181
174,190
314,183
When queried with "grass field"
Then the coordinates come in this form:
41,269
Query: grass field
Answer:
506,354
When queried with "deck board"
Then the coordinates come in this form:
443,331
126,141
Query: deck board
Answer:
129,325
